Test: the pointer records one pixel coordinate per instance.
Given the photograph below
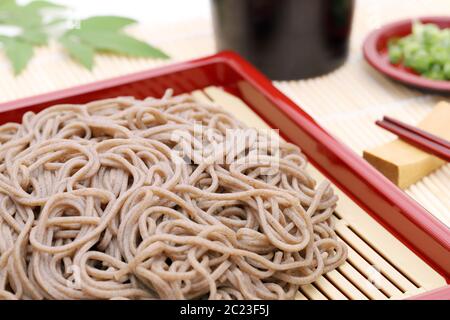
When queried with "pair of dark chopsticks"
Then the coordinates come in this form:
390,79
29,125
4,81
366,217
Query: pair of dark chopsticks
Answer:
417,137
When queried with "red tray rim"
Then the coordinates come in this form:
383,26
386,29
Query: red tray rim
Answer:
373,57
442,293
410,209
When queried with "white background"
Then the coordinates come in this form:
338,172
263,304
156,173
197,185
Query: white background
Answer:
147,12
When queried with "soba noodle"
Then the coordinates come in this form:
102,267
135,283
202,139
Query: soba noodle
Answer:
158,198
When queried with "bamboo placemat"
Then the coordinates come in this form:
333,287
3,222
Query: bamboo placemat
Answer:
346,102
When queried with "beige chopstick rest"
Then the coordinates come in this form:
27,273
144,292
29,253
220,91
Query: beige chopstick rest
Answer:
405,164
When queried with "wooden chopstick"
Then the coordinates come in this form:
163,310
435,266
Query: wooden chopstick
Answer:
420,132
417,137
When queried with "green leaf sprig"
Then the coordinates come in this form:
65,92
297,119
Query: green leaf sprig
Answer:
105,34
29,20
93,35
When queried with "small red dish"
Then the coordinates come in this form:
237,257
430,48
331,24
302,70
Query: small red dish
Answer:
376,53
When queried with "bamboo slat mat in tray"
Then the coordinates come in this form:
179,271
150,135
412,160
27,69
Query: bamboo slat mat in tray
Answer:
346,102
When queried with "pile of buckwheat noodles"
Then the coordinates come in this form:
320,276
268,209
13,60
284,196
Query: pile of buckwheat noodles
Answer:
143,199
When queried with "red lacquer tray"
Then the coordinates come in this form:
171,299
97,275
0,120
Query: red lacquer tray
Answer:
398,213
376,53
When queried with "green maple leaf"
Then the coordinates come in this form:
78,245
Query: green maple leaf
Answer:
18,52
95,34
25,16
29,19
105,34
78,51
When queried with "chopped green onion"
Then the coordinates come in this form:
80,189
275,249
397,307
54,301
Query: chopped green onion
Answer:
426,50
447,70
395,54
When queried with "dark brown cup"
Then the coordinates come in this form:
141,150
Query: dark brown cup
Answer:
286,39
